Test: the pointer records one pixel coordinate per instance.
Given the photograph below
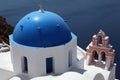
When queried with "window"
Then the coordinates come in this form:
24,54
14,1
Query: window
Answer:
70,59
24,65
49,65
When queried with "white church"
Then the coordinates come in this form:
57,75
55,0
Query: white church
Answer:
42,47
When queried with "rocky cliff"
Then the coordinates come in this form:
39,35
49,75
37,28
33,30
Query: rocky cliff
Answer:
5,30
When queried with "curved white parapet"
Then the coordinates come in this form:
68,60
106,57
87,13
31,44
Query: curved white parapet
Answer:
65,76
15,78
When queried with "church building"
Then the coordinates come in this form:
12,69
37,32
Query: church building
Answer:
43,45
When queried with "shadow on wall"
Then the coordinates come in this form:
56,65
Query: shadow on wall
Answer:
99,76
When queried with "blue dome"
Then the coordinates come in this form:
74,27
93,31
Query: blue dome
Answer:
41,29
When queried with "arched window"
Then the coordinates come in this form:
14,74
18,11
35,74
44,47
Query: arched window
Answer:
70,58
103,56
24,65
99,39
95,55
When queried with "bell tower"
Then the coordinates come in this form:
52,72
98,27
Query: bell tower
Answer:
100,52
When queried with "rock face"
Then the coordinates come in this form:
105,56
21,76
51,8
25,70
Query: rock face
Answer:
5,30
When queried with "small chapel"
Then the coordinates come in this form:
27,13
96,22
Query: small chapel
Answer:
42,43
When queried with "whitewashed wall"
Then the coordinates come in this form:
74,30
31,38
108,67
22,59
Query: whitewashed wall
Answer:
37,58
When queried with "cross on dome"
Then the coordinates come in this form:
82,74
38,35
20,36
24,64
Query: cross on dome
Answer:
41,8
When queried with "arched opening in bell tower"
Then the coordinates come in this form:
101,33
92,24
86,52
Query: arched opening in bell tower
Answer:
100,39
95,55
103,56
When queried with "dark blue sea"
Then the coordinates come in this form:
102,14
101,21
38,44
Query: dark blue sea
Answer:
84,17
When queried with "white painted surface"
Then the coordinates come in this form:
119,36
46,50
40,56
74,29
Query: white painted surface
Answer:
15,78
6,67
80,57
68,75
36,58
95,70
60,55
107,63
65,76
5,61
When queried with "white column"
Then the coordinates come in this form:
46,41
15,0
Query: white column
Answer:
99,57
88,59
107,66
